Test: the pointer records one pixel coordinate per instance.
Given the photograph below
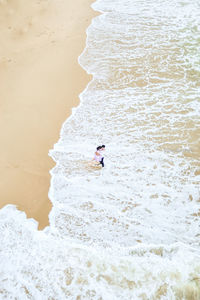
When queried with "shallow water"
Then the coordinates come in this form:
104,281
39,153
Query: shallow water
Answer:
130,230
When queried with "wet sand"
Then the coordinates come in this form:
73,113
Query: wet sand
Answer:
40,83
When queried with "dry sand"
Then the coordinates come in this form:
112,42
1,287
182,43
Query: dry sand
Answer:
40,80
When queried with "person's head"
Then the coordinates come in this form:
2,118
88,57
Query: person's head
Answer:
103,147
99,148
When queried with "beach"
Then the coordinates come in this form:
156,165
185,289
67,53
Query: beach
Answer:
131,229
40,83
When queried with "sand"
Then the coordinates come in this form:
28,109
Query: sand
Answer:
40,80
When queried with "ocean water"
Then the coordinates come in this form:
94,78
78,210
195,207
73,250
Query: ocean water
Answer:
130,230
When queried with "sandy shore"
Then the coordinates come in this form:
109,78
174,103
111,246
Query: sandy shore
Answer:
40,83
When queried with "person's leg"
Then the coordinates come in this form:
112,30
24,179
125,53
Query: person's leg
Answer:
102,162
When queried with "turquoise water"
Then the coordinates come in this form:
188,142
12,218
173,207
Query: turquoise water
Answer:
130,230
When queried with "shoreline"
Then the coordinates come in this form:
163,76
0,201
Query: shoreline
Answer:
41,83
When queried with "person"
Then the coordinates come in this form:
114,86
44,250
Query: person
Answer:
97,155
101,151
